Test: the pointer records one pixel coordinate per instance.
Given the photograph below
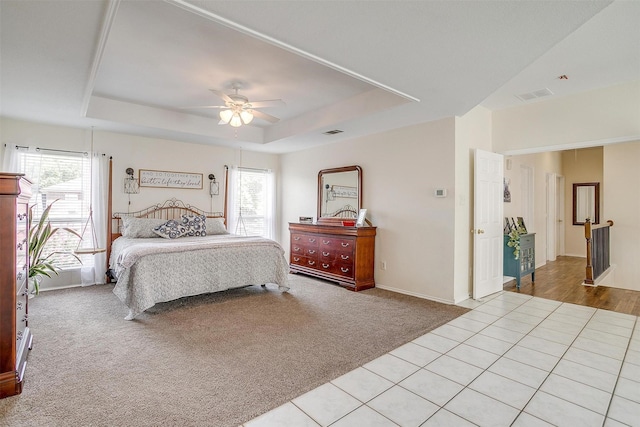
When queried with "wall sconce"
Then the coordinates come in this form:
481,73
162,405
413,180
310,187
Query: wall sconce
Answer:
131,183
214,188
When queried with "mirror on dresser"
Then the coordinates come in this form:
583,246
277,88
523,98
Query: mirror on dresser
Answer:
339,194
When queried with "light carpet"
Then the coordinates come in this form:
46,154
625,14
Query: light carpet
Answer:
211,360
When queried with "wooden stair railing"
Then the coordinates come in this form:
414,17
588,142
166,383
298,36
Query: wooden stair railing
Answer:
597,250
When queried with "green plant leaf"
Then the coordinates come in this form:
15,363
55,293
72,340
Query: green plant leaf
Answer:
39,235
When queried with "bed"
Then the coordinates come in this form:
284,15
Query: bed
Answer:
150,269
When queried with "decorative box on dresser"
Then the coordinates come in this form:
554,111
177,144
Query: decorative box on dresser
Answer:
341,254
15,337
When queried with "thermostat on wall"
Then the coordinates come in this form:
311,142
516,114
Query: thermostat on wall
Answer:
440,192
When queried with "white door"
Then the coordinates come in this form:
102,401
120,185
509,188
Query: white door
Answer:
552,211
560,215
488,240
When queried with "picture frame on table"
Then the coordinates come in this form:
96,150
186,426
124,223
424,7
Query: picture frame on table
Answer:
521,224
507,226
361,218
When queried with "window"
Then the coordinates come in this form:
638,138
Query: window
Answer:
65,180
251,202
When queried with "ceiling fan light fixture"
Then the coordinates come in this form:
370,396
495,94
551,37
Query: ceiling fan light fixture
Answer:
246,117
225,115
235,121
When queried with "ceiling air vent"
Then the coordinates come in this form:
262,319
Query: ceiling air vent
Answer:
534,95
333,132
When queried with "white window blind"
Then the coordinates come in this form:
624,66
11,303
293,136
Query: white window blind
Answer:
252,202
64,180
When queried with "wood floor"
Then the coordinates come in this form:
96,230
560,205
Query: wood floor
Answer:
561,280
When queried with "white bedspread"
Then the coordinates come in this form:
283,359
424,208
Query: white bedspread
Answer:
157,270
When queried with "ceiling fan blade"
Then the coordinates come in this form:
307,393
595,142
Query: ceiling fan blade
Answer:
265,116
268,103
222,95
203,106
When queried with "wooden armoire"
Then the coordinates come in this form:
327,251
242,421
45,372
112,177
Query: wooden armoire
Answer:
15,336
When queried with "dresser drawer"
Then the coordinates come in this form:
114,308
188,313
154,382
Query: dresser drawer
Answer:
21,315
337,244
21,279
304,261
305,240
526,241
304,250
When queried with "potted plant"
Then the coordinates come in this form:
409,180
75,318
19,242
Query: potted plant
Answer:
39,235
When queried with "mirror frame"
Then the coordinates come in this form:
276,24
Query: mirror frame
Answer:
596,201
330,220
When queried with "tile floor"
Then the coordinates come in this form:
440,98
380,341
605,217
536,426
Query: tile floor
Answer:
514,360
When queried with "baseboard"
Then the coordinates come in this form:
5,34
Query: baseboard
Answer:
55,288
414,294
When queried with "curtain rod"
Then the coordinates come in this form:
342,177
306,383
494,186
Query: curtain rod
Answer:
17,146
62,151
250,169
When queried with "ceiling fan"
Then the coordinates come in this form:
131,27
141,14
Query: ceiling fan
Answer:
237,110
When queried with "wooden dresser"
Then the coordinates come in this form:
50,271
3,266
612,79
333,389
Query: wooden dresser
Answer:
341,254
15,337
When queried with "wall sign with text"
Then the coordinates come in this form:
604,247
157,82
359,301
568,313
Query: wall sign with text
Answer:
168,179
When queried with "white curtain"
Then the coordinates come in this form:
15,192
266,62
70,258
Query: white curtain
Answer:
10,158
99,197
270,214
233,212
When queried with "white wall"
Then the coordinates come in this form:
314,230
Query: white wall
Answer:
473,130
401,170
604,115
139,152
542,164
582,165
622,205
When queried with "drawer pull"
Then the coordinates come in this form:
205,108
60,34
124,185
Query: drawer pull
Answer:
312,263
19,336
325,265
344,270
312,240
344,256
19,277
24,319
312,251
296,238
326,242
344,244
296,249
22,216
20,245
19,306
296,259
325,253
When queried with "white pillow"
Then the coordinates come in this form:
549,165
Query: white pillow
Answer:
216,226
140,227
